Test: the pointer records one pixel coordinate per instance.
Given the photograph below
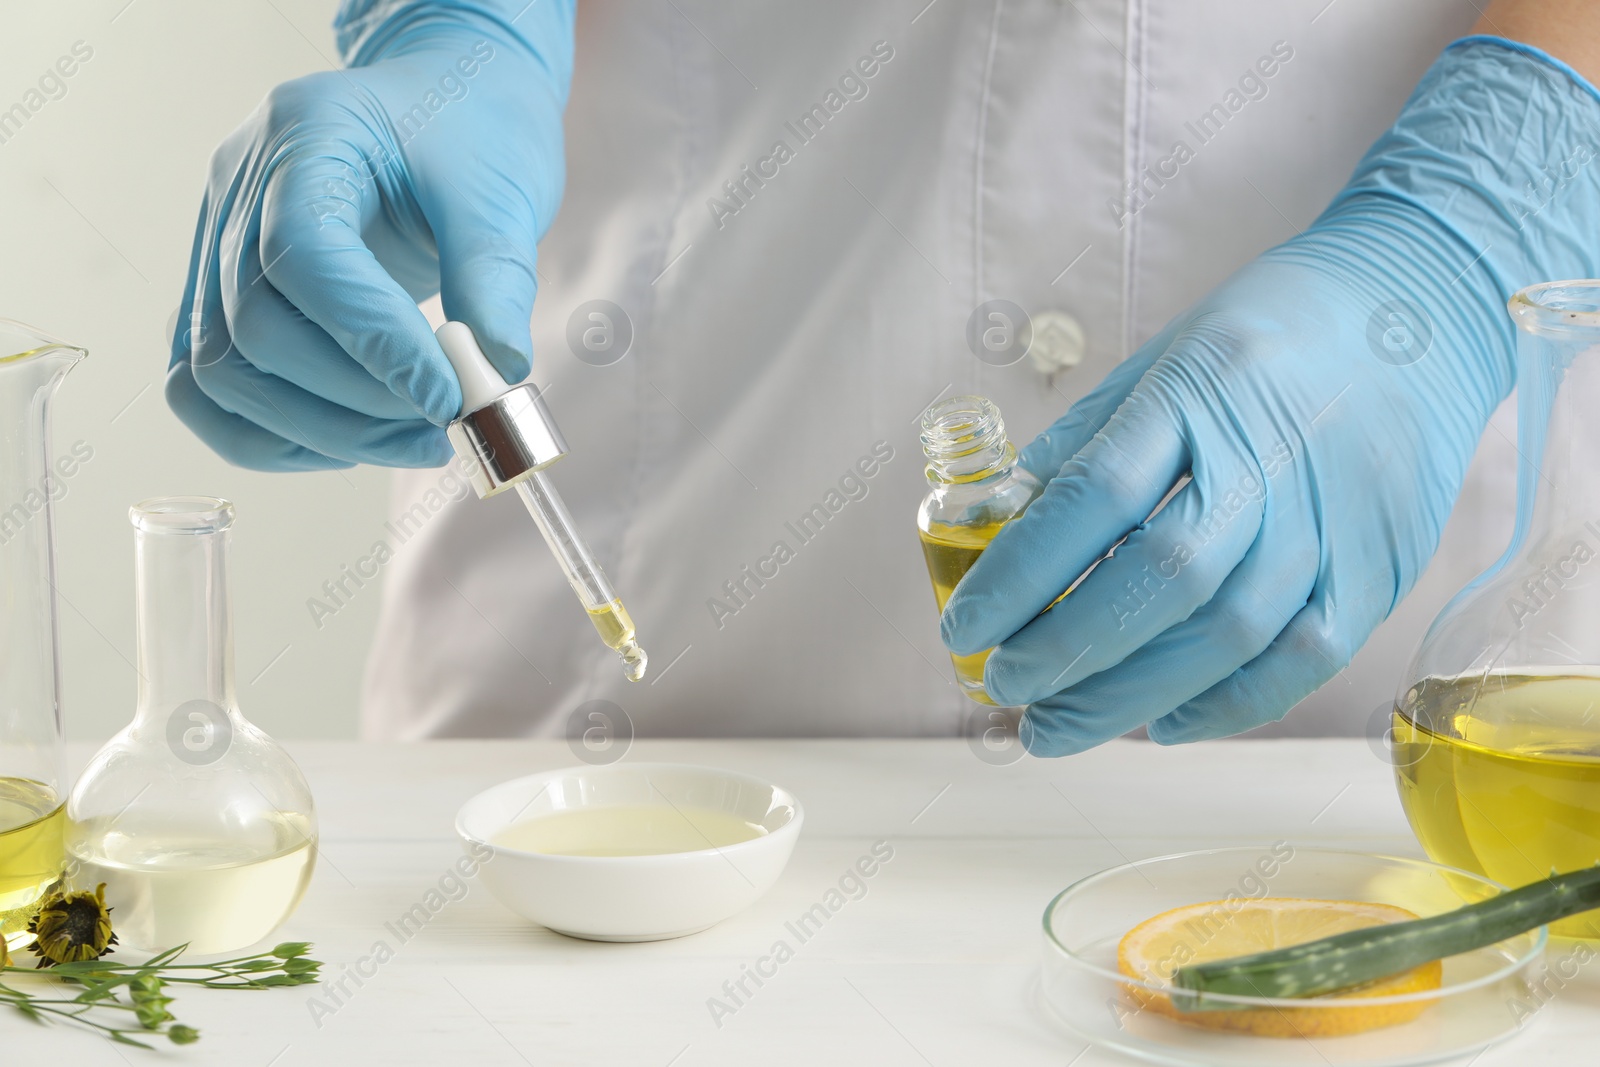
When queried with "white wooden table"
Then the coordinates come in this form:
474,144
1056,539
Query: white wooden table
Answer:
935,964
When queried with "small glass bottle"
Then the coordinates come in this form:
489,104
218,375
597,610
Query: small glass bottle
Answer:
200,825
976,487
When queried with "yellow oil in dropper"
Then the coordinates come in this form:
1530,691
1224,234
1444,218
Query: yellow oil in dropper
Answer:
611,620
615,627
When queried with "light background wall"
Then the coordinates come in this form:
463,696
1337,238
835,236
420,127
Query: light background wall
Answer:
98,199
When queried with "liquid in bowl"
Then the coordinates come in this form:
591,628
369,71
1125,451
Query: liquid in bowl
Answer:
627,830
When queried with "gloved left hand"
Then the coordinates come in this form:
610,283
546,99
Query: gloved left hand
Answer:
1326,401
433,164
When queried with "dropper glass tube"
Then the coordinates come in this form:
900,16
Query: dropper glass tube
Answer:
509,439
583,573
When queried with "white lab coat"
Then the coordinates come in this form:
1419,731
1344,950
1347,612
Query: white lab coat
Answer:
786,335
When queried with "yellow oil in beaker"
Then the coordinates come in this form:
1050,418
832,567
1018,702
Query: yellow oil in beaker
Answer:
32,851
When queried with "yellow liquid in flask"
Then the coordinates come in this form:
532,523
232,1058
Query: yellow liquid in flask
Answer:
32,852
214,896
1503,778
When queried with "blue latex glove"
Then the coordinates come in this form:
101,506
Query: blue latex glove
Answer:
432,165
1327,435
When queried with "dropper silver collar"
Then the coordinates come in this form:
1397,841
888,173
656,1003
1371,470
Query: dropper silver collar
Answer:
504,433
507,439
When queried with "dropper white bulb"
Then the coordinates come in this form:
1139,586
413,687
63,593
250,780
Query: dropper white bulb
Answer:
480,382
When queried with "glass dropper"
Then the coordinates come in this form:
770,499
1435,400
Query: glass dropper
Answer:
508,438
605,609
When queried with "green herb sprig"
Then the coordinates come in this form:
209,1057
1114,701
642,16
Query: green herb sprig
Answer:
140,989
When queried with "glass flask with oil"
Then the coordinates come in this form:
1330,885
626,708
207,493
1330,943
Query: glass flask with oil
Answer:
32,795
975,488
201,827
1496,737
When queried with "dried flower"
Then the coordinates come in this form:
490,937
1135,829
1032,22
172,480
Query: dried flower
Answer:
72,927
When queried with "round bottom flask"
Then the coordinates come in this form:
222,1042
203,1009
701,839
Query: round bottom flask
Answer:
1497,729
201,827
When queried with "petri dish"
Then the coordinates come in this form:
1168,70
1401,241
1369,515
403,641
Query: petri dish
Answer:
1485,997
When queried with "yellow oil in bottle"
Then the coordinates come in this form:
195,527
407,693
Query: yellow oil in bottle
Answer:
1502,776
32,852
951,551
628,830
615,627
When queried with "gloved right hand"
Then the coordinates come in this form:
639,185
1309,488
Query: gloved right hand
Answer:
433,164
1326,401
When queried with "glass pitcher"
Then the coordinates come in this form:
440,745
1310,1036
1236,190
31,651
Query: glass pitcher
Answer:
1497,729
31,787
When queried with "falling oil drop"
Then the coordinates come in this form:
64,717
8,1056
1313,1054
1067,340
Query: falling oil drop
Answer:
634,661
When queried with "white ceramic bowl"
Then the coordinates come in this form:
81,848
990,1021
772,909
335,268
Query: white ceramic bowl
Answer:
632,898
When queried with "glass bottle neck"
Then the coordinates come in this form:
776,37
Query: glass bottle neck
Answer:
1558,386
184,618
964,440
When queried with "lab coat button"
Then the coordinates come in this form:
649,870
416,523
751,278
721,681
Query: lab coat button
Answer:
1058,343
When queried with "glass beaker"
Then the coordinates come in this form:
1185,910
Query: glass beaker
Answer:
31,794
975,487
1497,729
200,825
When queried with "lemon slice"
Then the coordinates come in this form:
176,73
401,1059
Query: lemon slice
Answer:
1220,929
